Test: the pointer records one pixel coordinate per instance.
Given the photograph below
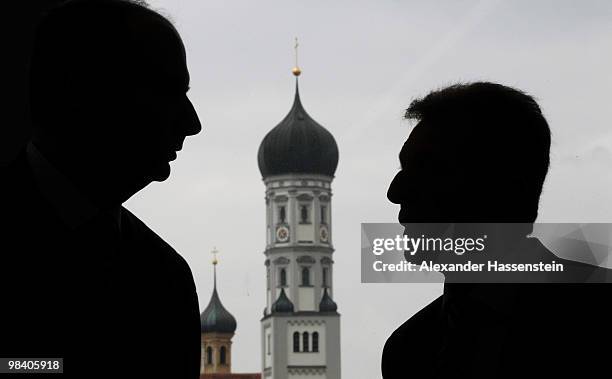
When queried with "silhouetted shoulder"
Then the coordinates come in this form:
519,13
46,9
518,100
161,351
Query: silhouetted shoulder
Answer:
170,286
411,347
154,246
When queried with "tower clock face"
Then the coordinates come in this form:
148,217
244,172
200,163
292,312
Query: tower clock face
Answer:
324,234
282,234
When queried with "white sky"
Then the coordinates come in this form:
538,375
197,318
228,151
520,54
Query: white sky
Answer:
363,62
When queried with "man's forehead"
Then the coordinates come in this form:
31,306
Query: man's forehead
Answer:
161,52
423,138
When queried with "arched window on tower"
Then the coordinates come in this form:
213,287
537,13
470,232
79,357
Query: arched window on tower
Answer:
315,342
296,342
209,356
281,215
222,356
305,276
304,217
283,277
305,346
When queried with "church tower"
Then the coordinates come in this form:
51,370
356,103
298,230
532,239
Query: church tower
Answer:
300,328
217,328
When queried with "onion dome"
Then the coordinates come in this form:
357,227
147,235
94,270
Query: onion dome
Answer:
327,304
215,318
282,304
298,145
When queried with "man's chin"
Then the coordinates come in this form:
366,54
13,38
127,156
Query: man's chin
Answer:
160,172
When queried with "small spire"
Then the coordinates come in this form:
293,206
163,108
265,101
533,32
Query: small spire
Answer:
297,91
214,252
282,304
327,304
296,69
215,318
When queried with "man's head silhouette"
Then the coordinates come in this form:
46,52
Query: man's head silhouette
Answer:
108,96
479,153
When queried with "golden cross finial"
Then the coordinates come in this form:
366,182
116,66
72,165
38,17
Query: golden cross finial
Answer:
214,252
296,70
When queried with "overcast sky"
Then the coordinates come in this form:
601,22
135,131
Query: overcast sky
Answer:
363,62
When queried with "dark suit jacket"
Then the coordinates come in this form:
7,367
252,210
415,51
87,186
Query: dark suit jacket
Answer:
112,302
505,331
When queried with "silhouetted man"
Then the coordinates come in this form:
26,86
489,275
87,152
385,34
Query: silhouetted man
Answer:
480,154
81,277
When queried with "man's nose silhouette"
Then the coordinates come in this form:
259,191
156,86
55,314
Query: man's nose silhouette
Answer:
191,124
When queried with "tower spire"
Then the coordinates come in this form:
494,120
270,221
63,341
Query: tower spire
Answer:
214,252
296,69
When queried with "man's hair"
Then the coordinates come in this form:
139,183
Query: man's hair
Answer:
501,130
86,47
